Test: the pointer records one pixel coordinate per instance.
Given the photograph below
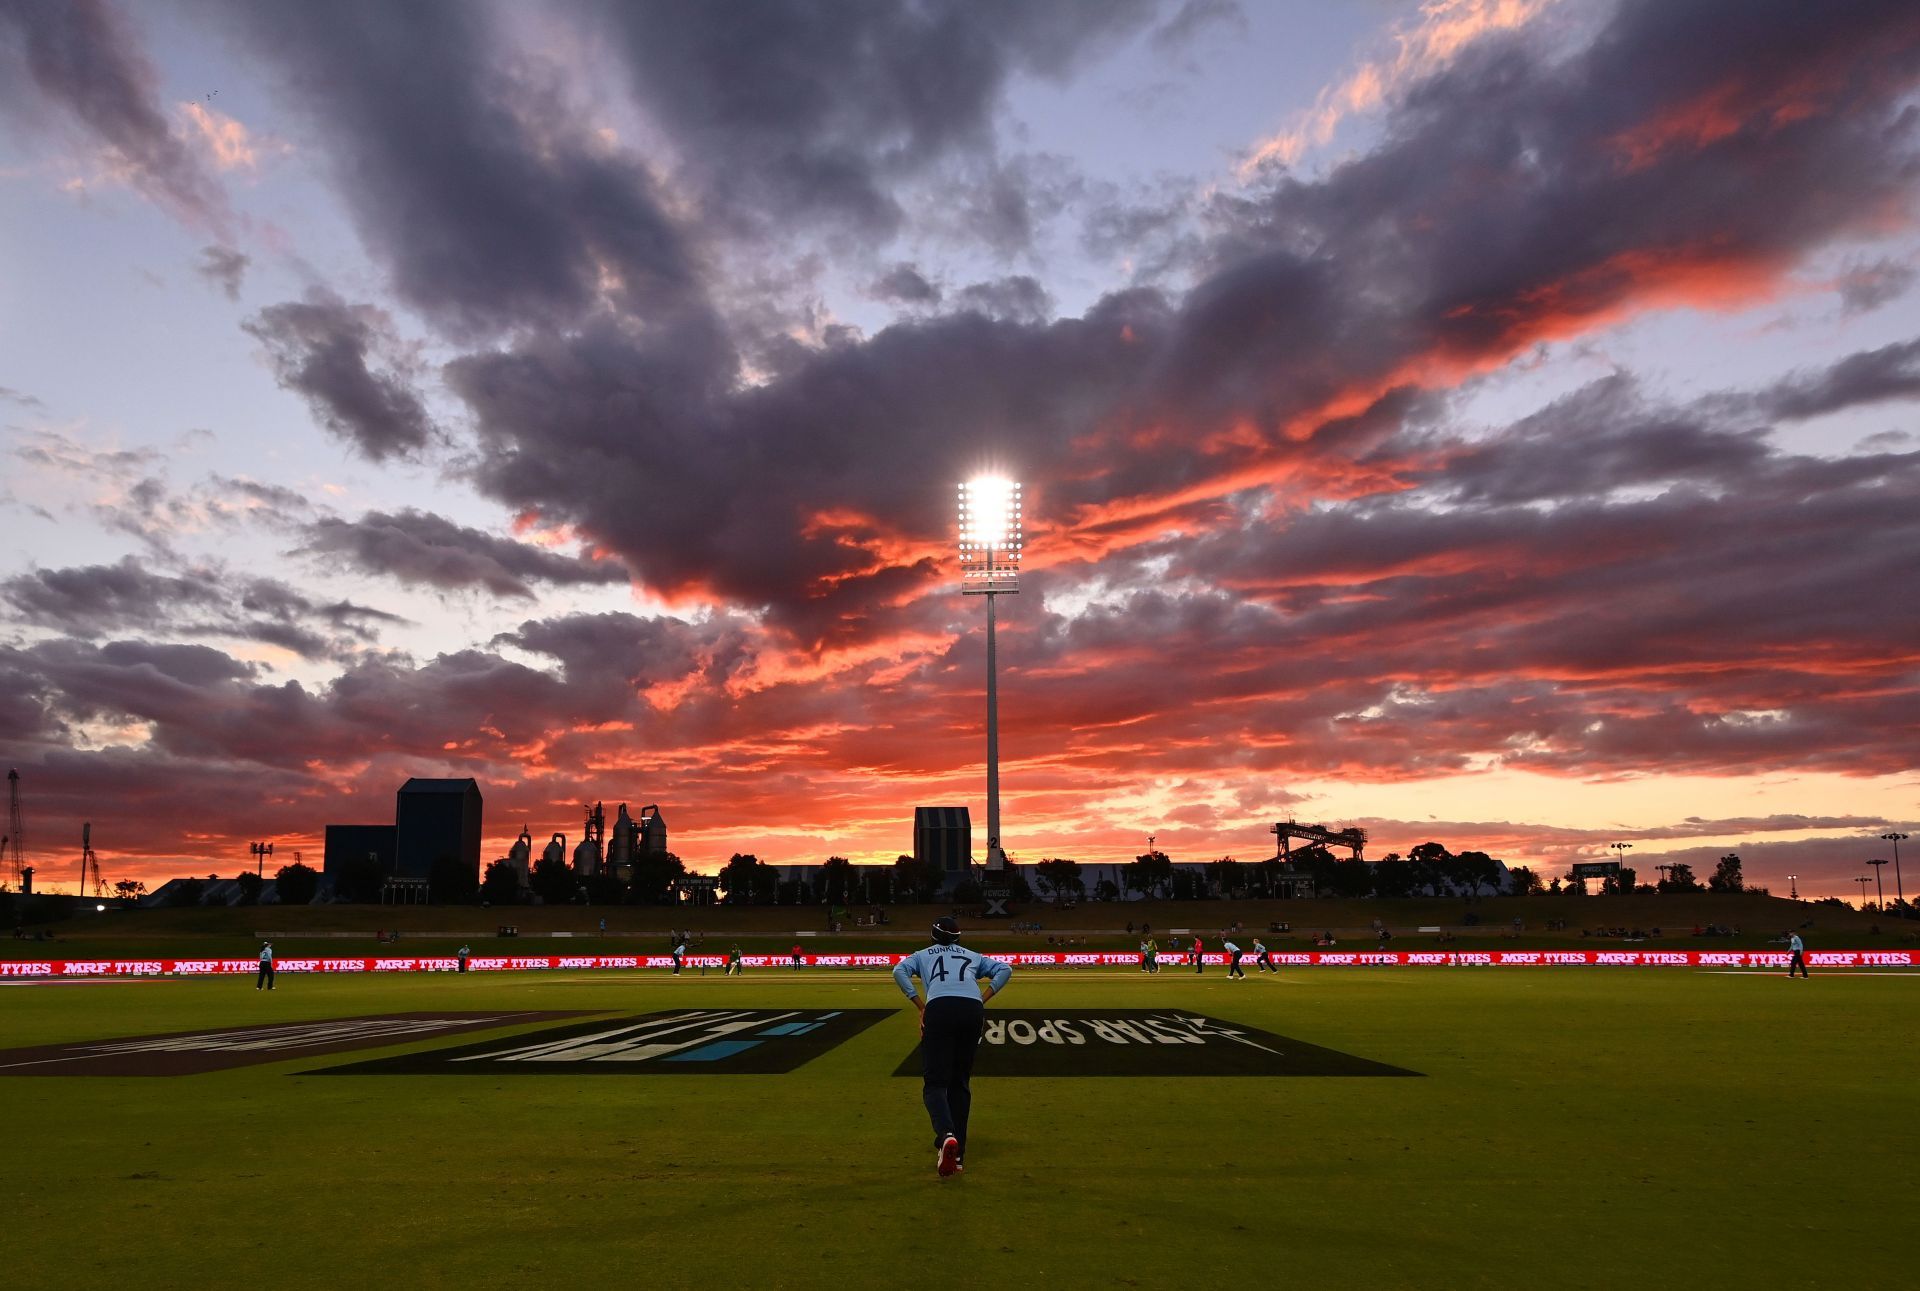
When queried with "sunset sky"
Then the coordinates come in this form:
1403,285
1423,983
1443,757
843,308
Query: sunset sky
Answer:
1486,421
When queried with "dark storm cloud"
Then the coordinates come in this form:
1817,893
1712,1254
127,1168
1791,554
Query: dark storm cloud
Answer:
1522,194
1019,299
84,60
419,548
492,207
904,284
1890,373
615,654
89,601
1598,439
773,496
225,268
324,349
814,111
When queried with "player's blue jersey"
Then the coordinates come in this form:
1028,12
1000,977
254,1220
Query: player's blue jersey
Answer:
950,970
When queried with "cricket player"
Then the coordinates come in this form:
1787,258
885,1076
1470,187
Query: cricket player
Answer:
734,967
1233,961
958,982
266,966
1152,950
796,957
1799,959
1199,950
679,955
1263,958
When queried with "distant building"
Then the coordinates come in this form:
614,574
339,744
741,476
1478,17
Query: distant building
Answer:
435,819
943,838
349,846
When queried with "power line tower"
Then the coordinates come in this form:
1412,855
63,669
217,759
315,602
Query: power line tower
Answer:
90,864
14,846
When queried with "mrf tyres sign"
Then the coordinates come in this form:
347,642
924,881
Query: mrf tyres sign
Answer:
1145,1042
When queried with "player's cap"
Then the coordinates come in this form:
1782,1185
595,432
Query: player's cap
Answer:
946,931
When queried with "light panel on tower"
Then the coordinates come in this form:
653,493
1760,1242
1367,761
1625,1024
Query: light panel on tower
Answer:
991,534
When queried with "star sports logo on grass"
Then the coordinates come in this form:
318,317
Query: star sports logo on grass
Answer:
1145,1042
687,1042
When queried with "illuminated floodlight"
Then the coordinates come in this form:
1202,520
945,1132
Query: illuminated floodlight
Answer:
992,533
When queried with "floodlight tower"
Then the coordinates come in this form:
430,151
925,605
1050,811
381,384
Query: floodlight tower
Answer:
1899,891
15,843
990,539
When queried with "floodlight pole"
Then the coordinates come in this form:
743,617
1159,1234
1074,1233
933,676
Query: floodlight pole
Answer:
1899,891
1879,893
990,544
993,728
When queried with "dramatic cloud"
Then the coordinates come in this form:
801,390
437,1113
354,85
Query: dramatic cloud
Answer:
1328,304
1890,373
415,547
95,600
491,204
323,349
85,62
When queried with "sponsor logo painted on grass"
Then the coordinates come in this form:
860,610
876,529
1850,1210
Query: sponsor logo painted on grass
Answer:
685,1042
186,1053
1145,1042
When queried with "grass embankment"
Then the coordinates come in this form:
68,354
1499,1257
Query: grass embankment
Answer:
350,930
1660,1128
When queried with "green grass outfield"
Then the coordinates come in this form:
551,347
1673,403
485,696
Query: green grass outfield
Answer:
1574,1128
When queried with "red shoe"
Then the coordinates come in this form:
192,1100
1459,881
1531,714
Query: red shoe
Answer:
948,1161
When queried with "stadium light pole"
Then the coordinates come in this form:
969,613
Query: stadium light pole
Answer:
1863,880
261,851
1899,892
991,536
1619,851
1879,893
1793,887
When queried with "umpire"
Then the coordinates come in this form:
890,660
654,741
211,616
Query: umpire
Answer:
266,967
958,983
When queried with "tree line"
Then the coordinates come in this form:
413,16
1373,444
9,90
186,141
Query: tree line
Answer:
655,879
